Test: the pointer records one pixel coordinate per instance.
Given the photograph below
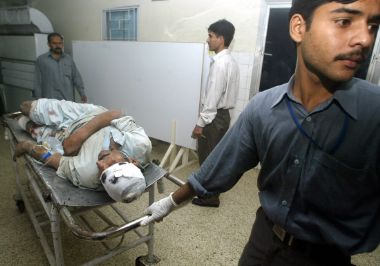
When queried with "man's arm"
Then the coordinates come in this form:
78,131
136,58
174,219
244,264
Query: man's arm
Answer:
83,98
73,143
197,132
216,85
183,194
78,83
132,138
163,207
235,154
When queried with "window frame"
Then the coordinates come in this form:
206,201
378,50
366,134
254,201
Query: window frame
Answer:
118,9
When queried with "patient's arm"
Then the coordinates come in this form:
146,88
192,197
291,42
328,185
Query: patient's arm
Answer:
38,152
73,143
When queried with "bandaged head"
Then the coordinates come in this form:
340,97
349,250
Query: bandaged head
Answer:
123,181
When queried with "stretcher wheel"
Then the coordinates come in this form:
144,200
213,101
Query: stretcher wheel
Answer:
144,261
19,203
156,161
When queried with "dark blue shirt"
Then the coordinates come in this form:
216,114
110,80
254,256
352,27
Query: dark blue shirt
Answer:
315,194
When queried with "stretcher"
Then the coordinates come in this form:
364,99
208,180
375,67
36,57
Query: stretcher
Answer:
63,202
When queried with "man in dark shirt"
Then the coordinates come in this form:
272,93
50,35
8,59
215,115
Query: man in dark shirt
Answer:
317,139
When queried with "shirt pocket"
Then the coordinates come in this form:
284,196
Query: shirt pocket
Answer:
67,70
337,188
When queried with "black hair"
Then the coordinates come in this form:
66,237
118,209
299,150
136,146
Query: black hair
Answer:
306,8
223,28
54,34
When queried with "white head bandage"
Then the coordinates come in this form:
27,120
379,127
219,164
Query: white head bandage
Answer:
124,181
22,121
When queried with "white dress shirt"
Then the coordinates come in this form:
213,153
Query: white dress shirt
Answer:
221,89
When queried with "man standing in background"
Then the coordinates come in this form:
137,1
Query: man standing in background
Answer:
56,75
217,98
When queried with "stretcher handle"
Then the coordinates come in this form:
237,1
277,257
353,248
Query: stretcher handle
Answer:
175,180
81,233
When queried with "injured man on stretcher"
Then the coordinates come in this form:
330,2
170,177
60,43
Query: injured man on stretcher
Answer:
97,148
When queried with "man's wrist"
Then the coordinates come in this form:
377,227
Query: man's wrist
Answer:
172,200
201,122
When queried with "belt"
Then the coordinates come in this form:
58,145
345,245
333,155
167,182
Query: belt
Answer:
284,236
336,257
291,241
298,244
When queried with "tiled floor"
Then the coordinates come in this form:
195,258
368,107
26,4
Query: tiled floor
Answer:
189,236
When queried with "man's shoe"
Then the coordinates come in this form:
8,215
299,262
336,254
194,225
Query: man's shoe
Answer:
212,201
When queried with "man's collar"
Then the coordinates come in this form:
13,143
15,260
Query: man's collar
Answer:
220,54
345,96
285,90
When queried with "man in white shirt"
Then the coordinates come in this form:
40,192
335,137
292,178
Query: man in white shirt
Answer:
218,97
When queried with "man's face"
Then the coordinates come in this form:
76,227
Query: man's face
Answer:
340,38
215,42
106,158
56,45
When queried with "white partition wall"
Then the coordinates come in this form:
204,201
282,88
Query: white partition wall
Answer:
155,82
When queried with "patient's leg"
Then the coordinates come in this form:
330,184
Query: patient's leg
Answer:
60,113
38,152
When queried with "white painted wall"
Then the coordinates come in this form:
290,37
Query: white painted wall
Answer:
167,21
171,20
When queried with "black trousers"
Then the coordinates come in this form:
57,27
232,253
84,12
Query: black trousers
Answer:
265,248
213,133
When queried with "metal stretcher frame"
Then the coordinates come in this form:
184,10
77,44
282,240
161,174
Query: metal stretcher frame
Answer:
63,201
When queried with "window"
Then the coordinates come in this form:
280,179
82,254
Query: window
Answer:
120,24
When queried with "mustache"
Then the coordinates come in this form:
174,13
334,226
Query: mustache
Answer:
357,56
57,49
